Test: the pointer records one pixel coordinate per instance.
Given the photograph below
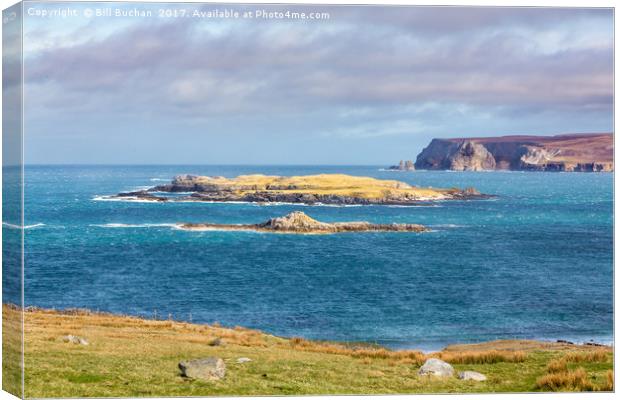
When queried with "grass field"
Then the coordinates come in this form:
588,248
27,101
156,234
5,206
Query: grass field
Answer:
129,356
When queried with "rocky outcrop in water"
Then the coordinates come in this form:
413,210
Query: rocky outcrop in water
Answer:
298,222
403,166
569,153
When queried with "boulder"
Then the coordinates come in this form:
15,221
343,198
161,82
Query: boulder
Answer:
472,376
75,340
207,369
242,360
436,367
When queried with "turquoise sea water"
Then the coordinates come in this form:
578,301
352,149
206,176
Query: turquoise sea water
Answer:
536,262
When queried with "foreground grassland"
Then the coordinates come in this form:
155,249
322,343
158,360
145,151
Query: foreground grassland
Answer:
135,357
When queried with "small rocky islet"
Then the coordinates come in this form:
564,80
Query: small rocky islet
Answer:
299,222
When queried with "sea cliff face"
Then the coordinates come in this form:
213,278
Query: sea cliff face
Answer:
569,153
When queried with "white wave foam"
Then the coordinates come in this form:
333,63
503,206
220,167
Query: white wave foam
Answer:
12,226
132,199
118,225
159,180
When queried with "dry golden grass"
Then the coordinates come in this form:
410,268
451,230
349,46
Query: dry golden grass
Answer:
586,356
557,365
335,184
568,381
358,351
133,357
482,357
609,382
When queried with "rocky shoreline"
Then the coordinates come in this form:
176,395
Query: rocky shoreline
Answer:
298,222
333,189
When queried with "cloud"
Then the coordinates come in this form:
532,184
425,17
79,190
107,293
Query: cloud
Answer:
502,62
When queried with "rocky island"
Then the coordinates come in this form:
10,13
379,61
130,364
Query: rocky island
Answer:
569,153
298,222
403,166
335,189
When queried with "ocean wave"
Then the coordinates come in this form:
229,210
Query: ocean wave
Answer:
119,225
412,206
12,226
131,199
159,180
448,226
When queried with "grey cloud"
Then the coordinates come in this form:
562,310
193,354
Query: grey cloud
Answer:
364,57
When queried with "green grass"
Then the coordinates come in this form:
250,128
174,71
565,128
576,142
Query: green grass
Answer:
130,357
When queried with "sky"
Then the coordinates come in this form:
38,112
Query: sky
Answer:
370,85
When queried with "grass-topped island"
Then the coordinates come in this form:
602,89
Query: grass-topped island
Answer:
337,189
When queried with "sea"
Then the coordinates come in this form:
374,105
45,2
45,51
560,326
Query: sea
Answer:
534,262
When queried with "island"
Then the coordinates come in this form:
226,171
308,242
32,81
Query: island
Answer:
332,189
403,166
562,153
299,222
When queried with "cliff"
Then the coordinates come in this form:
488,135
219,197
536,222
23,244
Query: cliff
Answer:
298,222
337,189
573,152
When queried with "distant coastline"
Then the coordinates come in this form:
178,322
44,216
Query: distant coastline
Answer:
560,153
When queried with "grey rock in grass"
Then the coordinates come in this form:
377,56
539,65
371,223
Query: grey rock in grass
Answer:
207,369
436,367
75,340
242,360
472,376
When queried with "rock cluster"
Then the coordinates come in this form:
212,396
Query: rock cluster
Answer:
299,222
439,368
403,166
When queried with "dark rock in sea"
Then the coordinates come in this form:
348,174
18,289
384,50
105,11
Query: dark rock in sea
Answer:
403,166
142,195
564,341
206,369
